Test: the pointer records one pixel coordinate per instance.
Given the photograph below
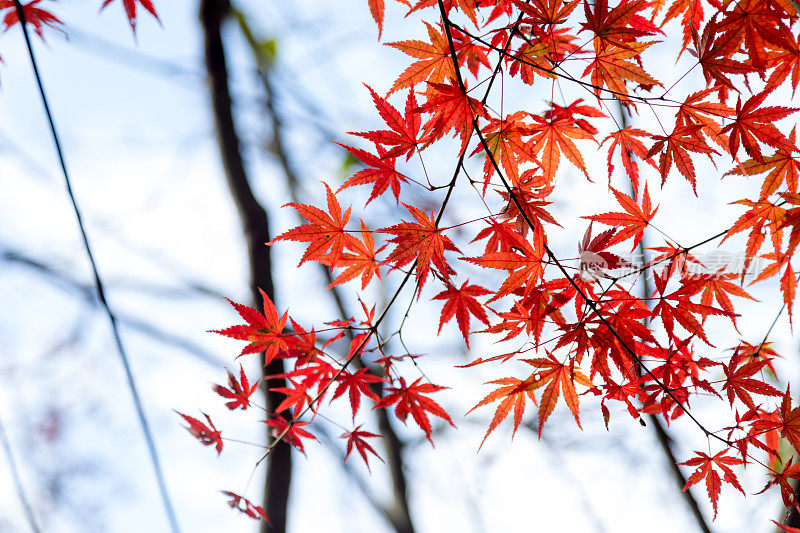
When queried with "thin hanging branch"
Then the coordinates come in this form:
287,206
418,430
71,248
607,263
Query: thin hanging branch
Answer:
18,485
255,223
100,288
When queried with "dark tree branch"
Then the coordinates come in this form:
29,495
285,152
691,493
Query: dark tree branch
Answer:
255,224
398,514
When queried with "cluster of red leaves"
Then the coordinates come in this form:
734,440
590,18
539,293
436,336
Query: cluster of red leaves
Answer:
38,17
607,342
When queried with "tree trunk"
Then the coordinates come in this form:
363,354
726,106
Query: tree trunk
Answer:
255,224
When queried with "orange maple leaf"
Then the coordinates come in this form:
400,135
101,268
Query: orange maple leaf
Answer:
633,221
325,231
558,377
422,241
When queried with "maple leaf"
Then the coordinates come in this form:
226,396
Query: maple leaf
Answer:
238,392
753,124
514,394
356,384
695,111
620,26
633,221
679,143
361,262
434,65
755,25
263,332
404,134
548,46
36,16
713,52
739,382
380,172
692,11
611,67
297,397
376,9
411,399
507,147
628,146
422,241
208,435
130,9
356,438
245,506
546,11
789,425
762,214
450,109
705,470
559,378
716,286
594,259
524,265
294,434
789,471
553,135
325,231
786,60
461,303
782,167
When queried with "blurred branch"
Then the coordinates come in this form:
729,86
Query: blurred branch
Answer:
256,230
98,282
399,514
658,428
86,292
18,486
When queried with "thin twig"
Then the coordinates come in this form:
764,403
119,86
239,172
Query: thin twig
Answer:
145,425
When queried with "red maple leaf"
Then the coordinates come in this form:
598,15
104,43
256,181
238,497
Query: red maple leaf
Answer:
130,9
35,16
450,109
356,384
628,146
380,172
514,393
294,431
411,399
245,506
422,241
678,144
325,231
558,377
208,435
355,439
705,470
361,262
633,221
739,381
461,303
263,332
238,392
754,124
404,135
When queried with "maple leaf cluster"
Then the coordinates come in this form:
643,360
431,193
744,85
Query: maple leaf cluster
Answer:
577,328
39,17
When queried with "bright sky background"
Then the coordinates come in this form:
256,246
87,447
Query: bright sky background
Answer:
135,122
